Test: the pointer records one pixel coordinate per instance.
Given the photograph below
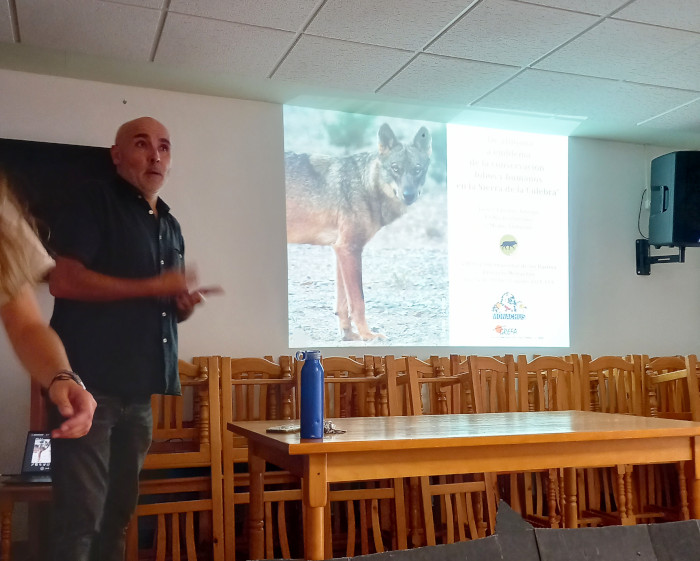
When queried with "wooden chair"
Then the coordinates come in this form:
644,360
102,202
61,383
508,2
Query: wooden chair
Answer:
465,501
186,434
368,516
351,387
417,387
551,384
182,425
672,392
493,384
255,389
610,384
671,388
171,511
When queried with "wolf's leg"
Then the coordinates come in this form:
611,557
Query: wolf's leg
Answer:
341,308
349,260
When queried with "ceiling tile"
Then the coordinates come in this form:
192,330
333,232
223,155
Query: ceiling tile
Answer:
679,70
410,24
509,32
597,7
229,47
341,64
442,79
683,119
553,93
97,28
289,15
5,23
618,49
681,14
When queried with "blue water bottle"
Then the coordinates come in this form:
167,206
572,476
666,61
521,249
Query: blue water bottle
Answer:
311,412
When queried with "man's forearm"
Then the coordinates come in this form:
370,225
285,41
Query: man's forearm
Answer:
72,280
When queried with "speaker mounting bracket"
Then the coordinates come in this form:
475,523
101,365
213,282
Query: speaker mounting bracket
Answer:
645,260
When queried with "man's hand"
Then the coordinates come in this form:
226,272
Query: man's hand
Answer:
76,404
185,303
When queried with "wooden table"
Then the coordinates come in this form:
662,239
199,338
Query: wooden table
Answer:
388,447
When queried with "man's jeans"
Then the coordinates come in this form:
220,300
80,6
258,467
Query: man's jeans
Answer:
96,480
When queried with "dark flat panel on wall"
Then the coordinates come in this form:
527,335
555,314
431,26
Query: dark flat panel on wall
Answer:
46,176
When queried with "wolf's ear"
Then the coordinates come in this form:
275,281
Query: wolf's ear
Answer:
423,141
387,139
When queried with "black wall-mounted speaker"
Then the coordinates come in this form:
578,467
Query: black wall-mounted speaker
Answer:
674,217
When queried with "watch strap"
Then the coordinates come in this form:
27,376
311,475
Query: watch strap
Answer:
66,375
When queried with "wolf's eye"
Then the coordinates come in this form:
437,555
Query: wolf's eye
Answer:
418,169
396,168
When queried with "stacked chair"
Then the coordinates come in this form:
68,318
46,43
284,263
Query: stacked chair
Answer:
368,516
181,502
456,507
256,389
671,386
552,385
609,384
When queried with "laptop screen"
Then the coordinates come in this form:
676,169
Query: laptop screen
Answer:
37,453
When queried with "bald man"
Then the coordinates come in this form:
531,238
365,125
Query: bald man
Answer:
120,289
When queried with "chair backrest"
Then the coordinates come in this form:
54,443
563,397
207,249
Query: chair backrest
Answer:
402,399
254,389
351,387
552,383
184,527
186,427
672,387
611,384
494,384
463,394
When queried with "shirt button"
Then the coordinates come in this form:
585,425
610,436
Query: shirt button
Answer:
164,314
165,340
160,237
162,262
150,212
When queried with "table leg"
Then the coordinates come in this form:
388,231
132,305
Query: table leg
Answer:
5,531
315,498
570,498
694,477
630,519
256,530
552,498
6,506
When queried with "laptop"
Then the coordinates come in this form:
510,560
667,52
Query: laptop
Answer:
36,463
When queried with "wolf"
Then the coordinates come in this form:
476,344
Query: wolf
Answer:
343,201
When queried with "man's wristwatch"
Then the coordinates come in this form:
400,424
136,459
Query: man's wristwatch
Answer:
66,375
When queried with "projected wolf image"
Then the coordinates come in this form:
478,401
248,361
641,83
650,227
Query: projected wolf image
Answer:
382,204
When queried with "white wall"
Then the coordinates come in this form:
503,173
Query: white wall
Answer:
227,190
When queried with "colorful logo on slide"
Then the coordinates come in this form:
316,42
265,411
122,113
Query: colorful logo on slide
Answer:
504,331
509,244
508,307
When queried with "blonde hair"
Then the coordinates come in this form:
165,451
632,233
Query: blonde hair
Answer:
15,269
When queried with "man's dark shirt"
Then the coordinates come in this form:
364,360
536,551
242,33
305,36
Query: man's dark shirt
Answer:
126,348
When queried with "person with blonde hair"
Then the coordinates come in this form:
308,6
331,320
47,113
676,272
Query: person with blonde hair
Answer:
23,263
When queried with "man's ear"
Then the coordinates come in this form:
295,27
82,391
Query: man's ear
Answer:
116,154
